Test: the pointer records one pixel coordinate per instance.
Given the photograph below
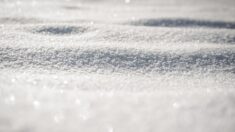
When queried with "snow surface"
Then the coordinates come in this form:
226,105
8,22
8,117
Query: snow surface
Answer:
117,65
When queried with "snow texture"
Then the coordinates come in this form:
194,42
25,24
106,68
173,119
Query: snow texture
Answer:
117,65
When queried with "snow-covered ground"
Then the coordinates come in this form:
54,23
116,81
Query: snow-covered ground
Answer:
117,65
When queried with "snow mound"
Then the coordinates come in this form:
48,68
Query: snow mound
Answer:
59,30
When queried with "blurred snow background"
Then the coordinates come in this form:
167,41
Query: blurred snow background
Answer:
117,65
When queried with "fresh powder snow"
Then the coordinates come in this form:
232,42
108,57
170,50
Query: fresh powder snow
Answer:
117,65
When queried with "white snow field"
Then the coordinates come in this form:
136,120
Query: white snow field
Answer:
117,65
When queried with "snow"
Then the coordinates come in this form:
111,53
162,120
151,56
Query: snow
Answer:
117,65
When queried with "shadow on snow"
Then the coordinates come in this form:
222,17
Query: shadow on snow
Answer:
181,22
115,60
